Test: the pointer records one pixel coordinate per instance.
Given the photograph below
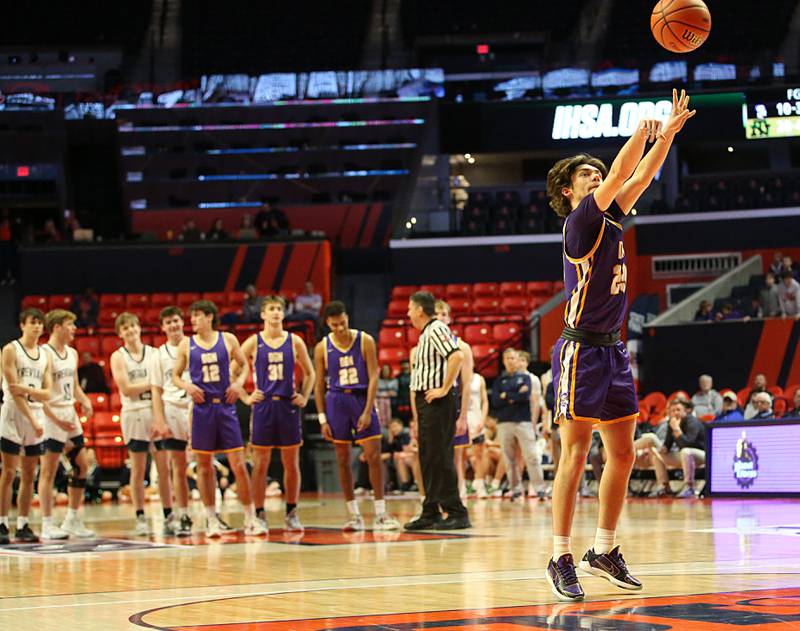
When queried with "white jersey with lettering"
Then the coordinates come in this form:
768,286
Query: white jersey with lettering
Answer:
62,370
139,370
163,376
30,372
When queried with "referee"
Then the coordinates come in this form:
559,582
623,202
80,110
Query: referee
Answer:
437,362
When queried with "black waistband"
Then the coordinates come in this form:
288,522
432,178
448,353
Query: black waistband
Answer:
590,338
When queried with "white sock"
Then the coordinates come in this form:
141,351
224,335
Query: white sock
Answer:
22,522
211,512
560,547
352,508
496,483
479,485
380,507
249,512
47,521
182,510
604,540
4,520
72,513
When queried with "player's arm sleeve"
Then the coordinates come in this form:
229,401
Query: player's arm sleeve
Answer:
442,342
582,228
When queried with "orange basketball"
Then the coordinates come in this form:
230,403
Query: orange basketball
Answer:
680,26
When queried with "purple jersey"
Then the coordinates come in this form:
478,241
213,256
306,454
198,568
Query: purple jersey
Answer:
274,368
210,368
595,271
347,369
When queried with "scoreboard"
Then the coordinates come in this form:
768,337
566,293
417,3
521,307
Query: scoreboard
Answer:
772,114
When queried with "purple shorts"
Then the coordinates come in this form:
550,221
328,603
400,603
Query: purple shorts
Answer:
461,440
593,383
276,423
215,427
343,410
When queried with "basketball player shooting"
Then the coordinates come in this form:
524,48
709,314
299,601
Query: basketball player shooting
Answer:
591,367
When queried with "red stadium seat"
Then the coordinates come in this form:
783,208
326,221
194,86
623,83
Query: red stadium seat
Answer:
506,332
388,323
391,355
780,405
60,301
88,345
151,317
436,290
137,302
486,359
412,336
558,285
234,300
534,302
109,345
775,391
742,395
478,334
116,403
35,302
514,304
106,317
789,391
644,415
656,403
390,338
219,298
457,330
460,306
158,339
162,299
483,290
486,305
116,301
515,288
185,298
397,309
110,453
706,418
100,402
458,290
403,292
539,288
107,424
679,393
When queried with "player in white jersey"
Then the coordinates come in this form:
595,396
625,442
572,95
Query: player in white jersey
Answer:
26,385
476,417
133,368
62,429
171,416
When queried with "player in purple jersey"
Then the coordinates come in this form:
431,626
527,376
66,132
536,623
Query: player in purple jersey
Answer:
591,368
214,424
276,403
347,365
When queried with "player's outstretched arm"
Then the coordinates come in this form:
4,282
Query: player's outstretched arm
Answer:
651,163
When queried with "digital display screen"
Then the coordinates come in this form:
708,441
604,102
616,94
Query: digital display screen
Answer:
772,114
754,459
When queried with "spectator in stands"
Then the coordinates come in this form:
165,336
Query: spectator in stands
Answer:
759,385
730,409
776,267
217,231
189,232
762,402
403,458
86,307
308,303
246,229
403,399
703,313
727,312
271,222
387,391
795,412
251,307
50,233
706,400
790,266
789,295
768,297
688,436
753,310
91,375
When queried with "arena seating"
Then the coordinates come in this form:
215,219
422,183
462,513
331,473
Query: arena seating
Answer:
504,212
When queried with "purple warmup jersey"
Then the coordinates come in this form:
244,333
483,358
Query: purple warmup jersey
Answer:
274,368
595,271
210,368
347,370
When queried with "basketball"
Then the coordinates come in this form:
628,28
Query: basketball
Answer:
680,26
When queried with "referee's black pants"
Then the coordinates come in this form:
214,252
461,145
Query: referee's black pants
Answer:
437,424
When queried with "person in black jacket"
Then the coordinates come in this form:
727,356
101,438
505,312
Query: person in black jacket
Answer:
688,435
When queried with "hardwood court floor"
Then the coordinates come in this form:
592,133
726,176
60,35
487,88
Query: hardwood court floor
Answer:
742,556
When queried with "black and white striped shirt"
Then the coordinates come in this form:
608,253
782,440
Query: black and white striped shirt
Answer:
435,345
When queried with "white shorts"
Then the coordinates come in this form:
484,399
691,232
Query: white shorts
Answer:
177,418
16,429
54,432
137,425
473,422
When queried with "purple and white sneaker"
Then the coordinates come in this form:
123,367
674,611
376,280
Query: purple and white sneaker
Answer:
563,579
610,566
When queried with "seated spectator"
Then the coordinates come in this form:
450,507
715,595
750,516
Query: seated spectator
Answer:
703,313
706,400
251,307
402,402
404,458
789,295
91,375
246,229
776,267
86,307
308,303
730,409
189,232
762,402
50,234
787,265
217,232
387,391
753,310
494,464
759,385
796,411
768,297
727,313
684,447
271,222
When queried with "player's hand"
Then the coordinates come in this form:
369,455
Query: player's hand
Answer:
461,424
197,394
435,393
524,389
65,425
37,429
234,392
87,410
299,400
18,389
256,396
327,434
363,421
160,431
680,113
649,128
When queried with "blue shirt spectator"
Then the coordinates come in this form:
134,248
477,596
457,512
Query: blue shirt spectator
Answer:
730,409
511,397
